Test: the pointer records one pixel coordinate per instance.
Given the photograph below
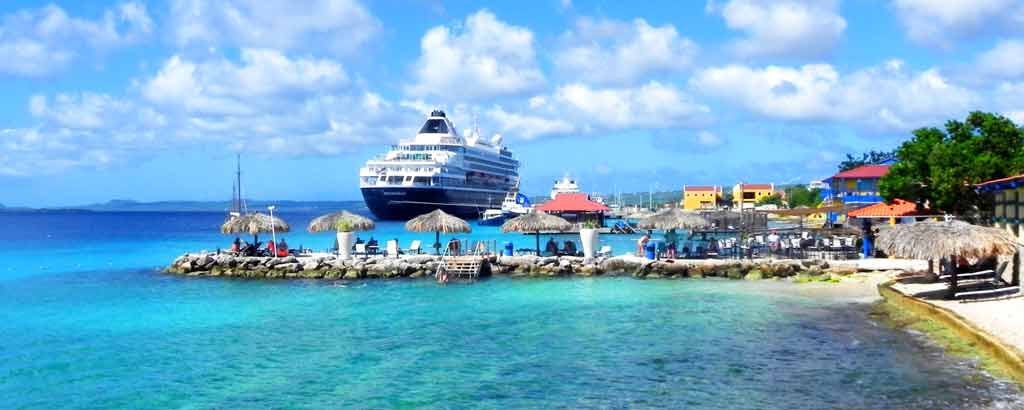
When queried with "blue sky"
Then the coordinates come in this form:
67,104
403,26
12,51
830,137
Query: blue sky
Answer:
151,100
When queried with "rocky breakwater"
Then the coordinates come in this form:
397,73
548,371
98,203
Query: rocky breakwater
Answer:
415,266
306,267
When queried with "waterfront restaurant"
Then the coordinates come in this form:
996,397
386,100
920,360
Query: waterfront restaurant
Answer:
576,208
745,196
894,213
701,197
1008,197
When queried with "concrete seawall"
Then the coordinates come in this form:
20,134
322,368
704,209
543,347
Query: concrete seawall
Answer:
329,267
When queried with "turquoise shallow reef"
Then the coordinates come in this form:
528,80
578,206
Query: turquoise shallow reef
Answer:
92,324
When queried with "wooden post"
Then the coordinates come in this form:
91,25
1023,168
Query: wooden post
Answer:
953,285
1015,273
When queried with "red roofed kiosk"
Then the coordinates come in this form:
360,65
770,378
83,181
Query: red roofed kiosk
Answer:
575,208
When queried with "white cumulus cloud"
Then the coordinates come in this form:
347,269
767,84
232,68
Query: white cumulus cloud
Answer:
37,42
887,97
1005,60
941,22
263,77
484,58
610,51
340,26
580,108
783,28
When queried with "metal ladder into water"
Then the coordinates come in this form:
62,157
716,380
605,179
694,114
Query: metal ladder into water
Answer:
466,267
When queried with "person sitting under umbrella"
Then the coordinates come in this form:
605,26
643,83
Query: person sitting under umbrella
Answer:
551,247
570,248
236,246
371,245
282,248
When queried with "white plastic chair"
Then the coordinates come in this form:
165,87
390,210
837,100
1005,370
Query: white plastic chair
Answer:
392,248
360,250
605,251
415,247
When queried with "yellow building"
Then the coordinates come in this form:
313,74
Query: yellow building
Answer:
745,196
701,197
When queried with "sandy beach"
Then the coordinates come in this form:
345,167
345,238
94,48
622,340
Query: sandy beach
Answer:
1001,319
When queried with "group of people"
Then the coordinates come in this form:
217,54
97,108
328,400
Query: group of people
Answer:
569,248
254,249
371,245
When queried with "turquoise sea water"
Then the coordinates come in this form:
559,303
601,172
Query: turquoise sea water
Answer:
89,323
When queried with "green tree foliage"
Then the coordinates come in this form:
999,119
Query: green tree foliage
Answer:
940,167
799,195
867,158
773,199
726,198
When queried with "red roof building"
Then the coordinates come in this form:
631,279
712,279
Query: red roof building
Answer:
858,186
864,171
898,208
695,188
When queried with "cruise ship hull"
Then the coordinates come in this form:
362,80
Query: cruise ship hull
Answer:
402,203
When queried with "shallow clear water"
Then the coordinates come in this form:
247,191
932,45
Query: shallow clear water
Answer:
99,327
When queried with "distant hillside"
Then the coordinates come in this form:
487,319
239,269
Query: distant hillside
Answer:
124,205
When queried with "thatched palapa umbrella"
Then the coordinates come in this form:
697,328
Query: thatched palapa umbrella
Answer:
535,222
935,240
953,239
333,222
437,222
330,222
804,212
254,224
673,218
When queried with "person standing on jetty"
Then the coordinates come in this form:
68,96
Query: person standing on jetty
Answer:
642,243
670,243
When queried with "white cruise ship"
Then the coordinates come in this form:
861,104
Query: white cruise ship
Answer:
439,168
564,186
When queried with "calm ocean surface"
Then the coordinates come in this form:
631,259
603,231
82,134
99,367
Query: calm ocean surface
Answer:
88,322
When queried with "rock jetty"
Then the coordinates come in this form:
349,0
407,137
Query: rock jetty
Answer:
329,267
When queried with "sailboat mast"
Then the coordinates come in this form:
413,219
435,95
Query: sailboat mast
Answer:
238,181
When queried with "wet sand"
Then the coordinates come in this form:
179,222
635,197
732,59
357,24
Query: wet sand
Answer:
1002,319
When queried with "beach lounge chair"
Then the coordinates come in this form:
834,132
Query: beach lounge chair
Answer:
415,248
605,251
360,250
391,249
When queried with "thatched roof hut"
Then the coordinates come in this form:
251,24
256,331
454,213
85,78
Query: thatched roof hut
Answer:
254,224
330,222
807,211
931,240
673,218
536,222
437,222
